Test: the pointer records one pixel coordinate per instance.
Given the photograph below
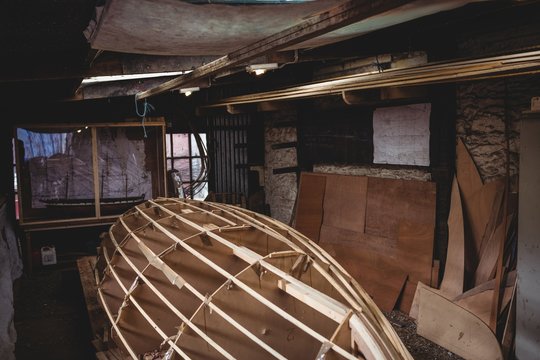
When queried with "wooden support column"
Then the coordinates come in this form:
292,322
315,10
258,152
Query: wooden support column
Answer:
528,264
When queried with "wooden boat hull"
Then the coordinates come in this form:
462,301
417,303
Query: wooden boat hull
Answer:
200,280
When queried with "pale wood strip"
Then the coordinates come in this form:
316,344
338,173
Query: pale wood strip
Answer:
455,329
239,283
454,272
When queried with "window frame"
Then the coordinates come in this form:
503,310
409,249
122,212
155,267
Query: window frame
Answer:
169,160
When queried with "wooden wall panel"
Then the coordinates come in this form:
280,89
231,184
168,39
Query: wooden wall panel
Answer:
391,201
345,202
309,206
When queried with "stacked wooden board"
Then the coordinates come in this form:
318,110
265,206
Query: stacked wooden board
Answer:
478,289
199,280
381,230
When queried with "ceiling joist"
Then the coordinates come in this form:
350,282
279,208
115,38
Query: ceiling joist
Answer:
348,13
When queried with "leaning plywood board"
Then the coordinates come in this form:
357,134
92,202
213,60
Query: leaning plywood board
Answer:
383,286
345,202
480,304
399,238
245,287
488,260
415,306
454,271
392,201
479,201
309,207
455,329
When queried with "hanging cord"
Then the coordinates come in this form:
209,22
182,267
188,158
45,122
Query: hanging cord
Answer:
379,66
147,108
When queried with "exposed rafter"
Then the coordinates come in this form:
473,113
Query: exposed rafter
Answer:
348,13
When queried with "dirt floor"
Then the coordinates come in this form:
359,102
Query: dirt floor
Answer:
50,317
420,348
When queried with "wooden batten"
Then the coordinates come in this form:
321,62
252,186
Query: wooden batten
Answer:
454,274
209,281
454,328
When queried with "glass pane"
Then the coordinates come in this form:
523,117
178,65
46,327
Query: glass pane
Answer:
169,164
200,190
56,173
182,165
180,145
195,150
168,145
196,169
128,165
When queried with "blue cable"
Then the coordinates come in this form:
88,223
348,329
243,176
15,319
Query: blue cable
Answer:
147,108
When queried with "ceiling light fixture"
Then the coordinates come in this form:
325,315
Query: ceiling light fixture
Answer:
259,69
189,91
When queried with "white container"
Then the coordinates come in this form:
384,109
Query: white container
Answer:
48,255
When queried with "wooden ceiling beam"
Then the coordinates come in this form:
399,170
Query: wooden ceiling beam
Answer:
348,13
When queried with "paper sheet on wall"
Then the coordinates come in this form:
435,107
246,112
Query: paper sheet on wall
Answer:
401,135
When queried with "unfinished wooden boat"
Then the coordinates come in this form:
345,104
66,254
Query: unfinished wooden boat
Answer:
199,280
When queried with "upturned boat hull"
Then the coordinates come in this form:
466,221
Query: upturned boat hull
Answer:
199,280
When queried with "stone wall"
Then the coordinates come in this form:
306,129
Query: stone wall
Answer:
280,189
484,106
372,171
482,109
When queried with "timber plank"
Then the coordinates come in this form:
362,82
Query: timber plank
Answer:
391,201
480,304
488,261
454,272
384,285
455,328
309,208
345,202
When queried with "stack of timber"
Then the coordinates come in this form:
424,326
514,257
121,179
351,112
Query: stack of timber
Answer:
200,280
473,312
380,230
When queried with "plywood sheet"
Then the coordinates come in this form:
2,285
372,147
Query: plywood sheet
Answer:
480,304
333,235
415,306
488,285
454,272
345,202
405,302
488,260
392,201
479,201
455,329
482,204
309,206
383,283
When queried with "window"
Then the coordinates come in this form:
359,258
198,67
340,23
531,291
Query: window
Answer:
187,157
